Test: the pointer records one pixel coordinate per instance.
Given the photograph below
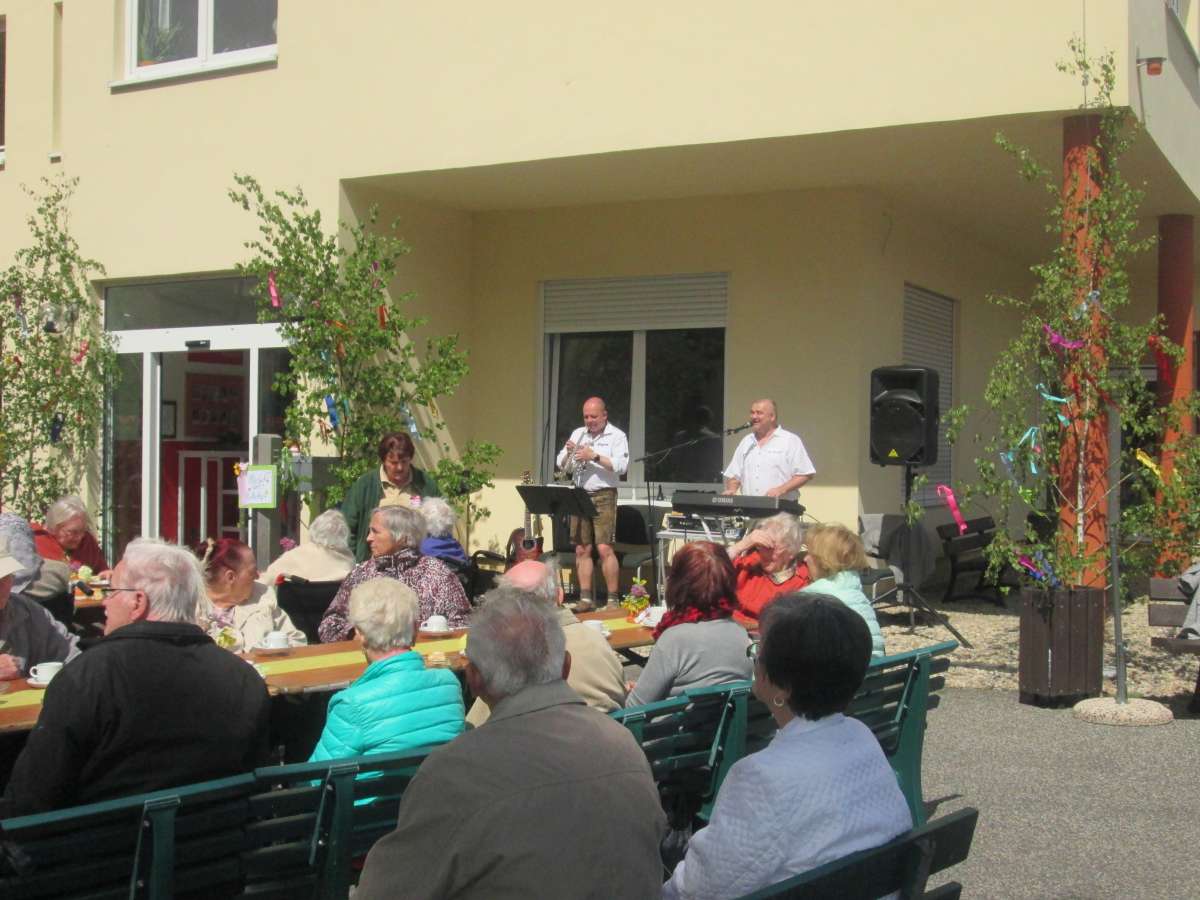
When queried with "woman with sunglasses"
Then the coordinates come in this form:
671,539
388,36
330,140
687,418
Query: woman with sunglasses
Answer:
822,788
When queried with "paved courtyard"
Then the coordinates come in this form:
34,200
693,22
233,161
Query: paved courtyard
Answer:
1067,809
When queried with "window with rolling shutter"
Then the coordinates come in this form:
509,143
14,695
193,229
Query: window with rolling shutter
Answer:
654,349
929,341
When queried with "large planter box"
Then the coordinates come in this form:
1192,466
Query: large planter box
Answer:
1061,646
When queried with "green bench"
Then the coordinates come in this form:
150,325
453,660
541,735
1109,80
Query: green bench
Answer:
902,865
179,842
704,732
280,832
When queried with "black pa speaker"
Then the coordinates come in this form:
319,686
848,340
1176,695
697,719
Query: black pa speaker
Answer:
904,416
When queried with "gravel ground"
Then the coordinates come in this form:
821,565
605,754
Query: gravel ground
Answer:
992,662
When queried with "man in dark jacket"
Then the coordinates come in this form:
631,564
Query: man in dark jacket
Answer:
394,483
154,705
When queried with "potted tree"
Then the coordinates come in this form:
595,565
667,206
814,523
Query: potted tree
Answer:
1071,374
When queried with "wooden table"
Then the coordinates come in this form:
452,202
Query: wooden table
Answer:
343,662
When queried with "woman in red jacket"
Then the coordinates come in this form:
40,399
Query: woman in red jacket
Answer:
769,562
67,536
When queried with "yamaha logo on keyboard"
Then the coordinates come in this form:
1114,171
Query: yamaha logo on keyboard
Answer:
719,499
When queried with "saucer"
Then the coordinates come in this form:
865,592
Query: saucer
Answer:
37,682
270,651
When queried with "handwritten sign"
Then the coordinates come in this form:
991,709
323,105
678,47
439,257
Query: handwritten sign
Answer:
257,487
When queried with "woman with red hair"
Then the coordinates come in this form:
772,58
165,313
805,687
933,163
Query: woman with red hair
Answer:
239,611
697,642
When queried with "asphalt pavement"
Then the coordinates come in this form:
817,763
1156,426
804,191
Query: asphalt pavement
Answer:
1067,809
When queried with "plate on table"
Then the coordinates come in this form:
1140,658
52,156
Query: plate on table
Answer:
270,651
426,635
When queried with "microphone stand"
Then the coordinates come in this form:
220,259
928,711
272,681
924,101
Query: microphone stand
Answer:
654,458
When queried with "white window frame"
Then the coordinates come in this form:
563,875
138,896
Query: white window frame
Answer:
4,82
205,60
642,318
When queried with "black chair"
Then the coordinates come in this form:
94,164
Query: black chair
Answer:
476,579
305,603
62,607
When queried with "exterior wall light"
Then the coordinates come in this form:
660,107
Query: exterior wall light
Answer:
1153,64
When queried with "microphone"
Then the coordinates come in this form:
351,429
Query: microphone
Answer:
736,429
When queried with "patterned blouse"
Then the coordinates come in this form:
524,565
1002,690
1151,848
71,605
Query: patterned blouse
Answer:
438,590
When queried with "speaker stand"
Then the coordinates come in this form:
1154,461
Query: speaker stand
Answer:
910,595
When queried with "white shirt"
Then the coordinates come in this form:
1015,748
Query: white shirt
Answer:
761,468
819,791
610,442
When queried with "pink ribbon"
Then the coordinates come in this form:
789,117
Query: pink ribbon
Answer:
273,291
78,357
1057,340
947,494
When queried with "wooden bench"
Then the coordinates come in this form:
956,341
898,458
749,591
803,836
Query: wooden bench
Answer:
966,554
1167,609
902,865
179,842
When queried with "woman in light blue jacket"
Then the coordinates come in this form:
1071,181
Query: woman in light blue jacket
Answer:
835,557
396,704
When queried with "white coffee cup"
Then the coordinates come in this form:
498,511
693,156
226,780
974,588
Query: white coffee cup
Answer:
595,624
436,623
45,671
275,640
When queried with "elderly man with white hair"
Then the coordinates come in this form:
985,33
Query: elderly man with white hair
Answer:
153,705
66,535
325,556
549,799
596,673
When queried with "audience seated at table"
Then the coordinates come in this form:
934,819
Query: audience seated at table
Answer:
440,542
153,705
835,557
822,788
66,535
596,673
697,642
238,611
394,535
396,704
769,563
39,579
548,799
324,556
29,635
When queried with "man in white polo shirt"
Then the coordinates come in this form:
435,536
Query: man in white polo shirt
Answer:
596,456
770,461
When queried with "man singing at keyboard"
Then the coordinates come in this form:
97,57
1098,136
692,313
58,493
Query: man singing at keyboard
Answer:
770,461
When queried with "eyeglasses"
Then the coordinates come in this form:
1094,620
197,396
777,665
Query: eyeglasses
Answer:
753,649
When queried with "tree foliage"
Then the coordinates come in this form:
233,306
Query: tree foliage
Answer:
355,375
1076,359
55,359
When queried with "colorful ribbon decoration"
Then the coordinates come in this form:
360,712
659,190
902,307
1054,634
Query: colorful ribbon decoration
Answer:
83,351
332,407
947,494
383,316
1093,296
273,290
1057,340
1047,576
1144,458
1030,436
1046,395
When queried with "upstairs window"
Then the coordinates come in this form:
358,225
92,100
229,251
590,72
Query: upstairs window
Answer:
178,36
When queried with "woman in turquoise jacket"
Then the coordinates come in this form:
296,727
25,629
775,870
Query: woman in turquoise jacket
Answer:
396,704
835,557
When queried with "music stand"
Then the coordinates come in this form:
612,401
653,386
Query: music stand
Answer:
555,501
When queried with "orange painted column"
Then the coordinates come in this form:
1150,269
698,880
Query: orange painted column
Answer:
1083,467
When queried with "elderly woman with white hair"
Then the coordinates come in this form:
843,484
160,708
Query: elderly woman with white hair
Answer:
769,562
440,542
396,704
325,556
66,535
394,539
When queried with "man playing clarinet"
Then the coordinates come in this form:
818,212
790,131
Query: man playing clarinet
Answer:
770,461
596,456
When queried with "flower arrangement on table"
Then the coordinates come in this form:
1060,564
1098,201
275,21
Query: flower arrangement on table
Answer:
637,599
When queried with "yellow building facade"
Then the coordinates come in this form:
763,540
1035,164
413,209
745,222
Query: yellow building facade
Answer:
824,171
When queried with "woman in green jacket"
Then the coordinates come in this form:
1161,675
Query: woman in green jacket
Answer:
395,483
835,557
